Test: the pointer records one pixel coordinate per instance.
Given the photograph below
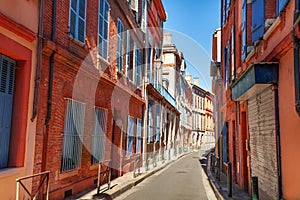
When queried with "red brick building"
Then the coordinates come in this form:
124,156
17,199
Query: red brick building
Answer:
90,106
260,71
18,62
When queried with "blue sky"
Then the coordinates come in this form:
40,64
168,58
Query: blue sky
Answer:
192,24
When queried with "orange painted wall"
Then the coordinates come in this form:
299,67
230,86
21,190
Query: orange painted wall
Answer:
289,129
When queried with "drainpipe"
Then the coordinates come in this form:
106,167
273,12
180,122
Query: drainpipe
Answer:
39,58
50,89
296,58
278,142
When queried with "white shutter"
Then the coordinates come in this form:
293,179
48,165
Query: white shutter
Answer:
144,16
134,4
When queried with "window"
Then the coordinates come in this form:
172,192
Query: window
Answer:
244,30
77,19
73,135
225,10
150,121
7,82
103,28
134,5
138,65
281,5
258,19
139,137
232,71
130,136
99,137
120,45
129,72
144,16
157,122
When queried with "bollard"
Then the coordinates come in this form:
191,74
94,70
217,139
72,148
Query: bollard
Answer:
255,188
229,180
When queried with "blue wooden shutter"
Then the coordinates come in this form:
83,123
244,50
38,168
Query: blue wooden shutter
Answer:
225,142
7,81
139,136
130,135
81,21
157,122
225,65
258,19
150,122
73,18
244,30
281,4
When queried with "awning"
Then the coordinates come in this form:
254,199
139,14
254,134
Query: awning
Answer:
257,77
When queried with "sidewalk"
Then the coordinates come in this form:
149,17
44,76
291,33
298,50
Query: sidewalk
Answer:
220,187
122,184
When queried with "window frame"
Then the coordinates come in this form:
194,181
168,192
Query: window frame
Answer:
129,68
120,46
137,65
139,137
102,17
65,166
130,136
75,37
104,130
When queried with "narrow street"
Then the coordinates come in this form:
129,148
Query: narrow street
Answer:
184,179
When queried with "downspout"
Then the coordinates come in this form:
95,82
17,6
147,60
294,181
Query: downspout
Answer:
296,58
278,142
39,62
50,89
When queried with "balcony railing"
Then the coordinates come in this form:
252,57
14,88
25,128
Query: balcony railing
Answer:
161,89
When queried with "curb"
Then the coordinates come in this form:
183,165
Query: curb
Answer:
212,181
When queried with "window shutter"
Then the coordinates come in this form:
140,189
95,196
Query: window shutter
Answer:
281,4
157,122
139,136
150,122
144,16
127,53
258,19
73,24
99,138
232,75
7,82
81,21
134,5
130,135
225,65
244,31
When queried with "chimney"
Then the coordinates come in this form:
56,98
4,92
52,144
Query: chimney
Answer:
188,78
167,39
196,81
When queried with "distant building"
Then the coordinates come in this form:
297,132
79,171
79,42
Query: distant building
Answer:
199,114
172,74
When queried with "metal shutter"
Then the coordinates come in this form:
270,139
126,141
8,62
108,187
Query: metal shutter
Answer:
262,131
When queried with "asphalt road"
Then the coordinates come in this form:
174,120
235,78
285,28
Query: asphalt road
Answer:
183,179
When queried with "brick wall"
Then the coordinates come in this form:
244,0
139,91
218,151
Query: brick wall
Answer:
69,69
